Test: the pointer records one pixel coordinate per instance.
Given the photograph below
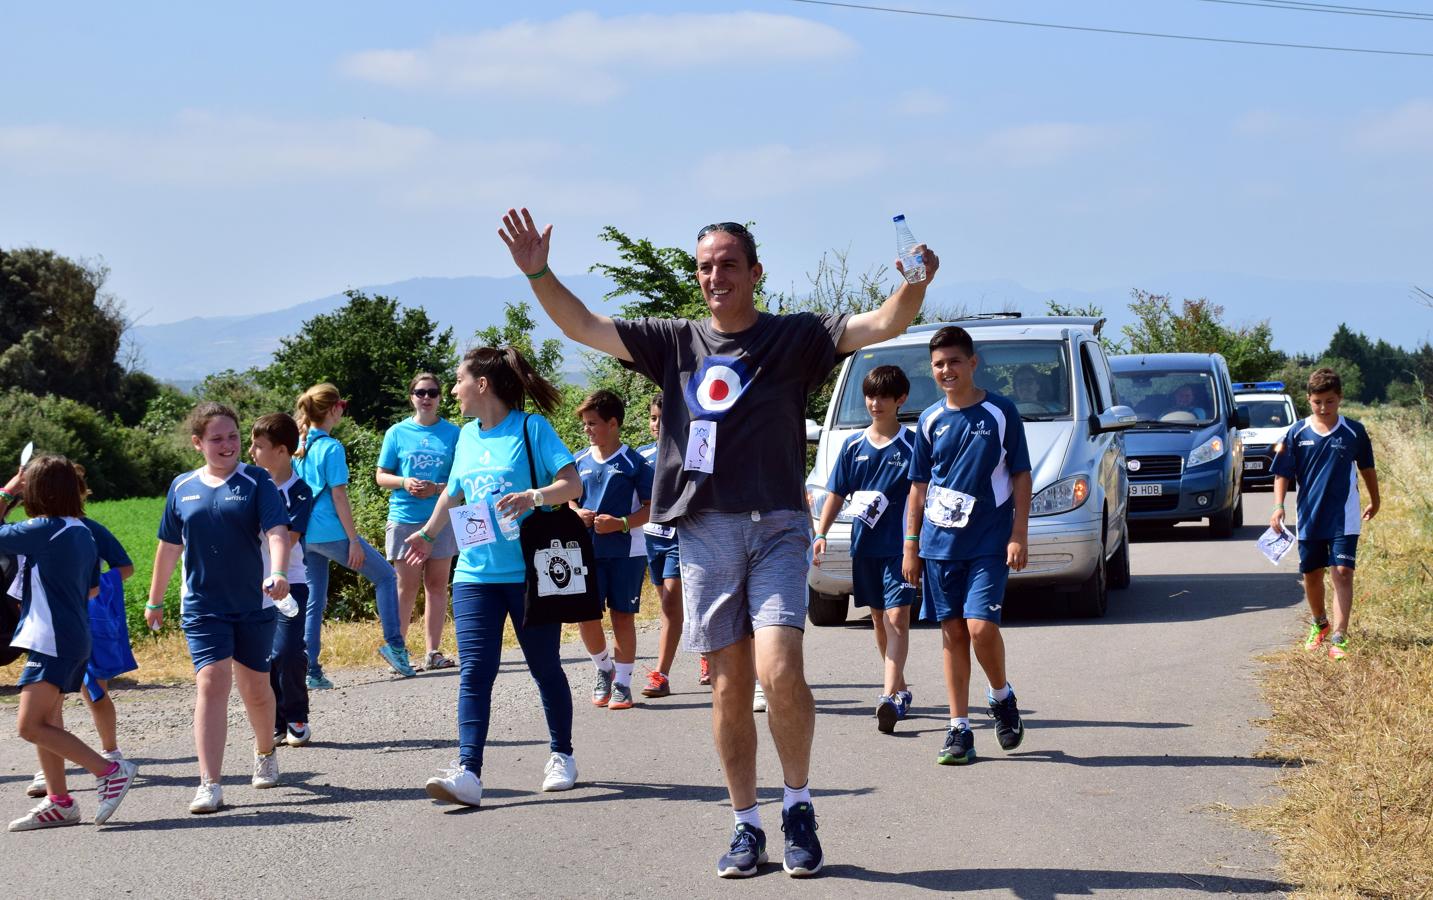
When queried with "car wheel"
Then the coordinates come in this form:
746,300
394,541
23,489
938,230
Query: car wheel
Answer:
1092,600
1118,576
826,609
1223,524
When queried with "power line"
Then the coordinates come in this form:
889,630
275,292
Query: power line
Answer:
1329,9
1119,31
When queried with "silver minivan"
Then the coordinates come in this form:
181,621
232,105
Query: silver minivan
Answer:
1079,539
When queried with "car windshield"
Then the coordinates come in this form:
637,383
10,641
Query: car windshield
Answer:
1268,413
1034,375
1180,398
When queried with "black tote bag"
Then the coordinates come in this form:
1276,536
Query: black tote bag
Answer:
561,584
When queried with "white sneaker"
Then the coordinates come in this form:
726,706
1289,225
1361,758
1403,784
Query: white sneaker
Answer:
112,788
209,798
298,737
456,785
758,701
37,787
48,814
113,755
560,773
266,770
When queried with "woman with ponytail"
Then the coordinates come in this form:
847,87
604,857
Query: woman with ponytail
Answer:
491,467
323,463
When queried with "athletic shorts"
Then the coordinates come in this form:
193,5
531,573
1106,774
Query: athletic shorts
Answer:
741,572
246,637
663,560
619,582
877,582
964,588
1320,553
65,673
396,534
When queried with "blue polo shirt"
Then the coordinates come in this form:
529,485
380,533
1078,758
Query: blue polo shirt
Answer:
60,568
298,500
1324,469
964,455
616,487
863,467
111,551
417,451
324,465
220,530
489,464
659,537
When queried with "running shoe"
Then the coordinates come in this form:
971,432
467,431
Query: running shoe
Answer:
456,785
959,747
705,675
602,687
621,696
560,773
1317,635
1338,647
111,789
397,659
657,685
436,660
887,714
297,734
48,814
37,786
747,851
209,798
266,770
1009,730
112,755
318,683
803,849
758,699
903,701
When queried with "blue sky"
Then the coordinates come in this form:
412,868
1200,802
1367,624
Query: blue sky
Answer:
248,158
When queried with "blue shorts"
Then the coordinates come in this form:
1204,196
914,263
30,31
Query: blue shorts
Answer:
65,673
245,637
964,588
877,582
663,560
1320,553
619,582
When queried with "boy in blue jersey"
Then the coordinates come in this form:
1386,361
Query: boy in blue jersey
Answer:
273,440
615,501
873,470
967,526
1322,457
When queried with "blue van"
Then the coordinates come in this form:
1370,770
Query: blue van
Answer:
1184,454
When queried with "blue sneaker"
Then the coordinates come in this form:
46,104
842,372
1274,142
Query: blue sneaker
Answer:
318,683
959,747
803,849
887,714
397,659
903,702
748,850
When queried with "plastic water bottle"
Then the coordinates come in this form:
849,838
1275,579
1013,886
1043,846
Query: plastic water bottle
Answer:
288,606
508,526
912,262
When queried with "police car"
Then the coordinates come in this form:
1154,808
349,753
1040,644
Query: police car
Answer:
1271,412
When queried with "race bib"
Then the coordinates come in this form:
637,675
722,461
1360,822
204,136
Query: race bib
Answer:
868,506
947,508
559,570
701,446
472,525
661,531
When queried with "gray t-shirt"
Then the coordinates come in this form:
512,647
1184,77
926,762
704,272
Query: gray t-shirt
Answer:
753,385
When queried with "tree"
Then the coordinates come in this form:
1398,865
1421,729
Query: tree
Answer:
663,279
516,331
1090,311
370,347
1199,328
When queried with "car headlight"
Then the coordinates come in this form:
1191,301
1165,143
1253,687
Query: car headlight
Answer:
1062,496
1208,451
816,498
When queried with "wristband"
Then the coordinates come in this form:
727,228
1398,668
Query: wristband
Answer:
539,273
153,606
283,575
1278,506
355,539
819,537
913,537
7,495
424,535
625,526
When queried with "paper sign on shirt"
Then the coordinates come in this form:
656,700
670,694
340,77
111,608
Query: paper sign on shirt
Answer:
661,531
472,525
701,446
1274,544
868,506
947,508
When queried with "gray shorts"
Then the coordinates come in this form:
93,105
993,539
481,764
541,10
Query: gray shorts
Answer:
397,533
741,572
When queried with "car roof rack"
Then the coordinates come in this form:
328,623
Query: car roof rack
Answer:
1094,323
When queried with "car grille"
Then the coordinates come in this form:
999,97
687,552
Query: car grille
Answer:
1163,503
1157,468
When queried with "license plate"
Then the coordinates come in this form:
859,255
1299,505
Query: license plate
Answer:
1253,465
1146,490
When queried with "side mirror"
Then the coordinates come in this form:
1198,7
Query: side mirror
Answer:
1241,417
1116,418
813,432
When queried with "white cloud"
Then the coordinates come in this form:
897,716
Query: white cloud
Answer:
1037,144
1406,129
779,169
585,58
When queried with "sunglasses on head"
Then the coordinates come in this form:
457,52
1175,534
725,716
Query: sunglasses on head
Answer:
728,227
430,393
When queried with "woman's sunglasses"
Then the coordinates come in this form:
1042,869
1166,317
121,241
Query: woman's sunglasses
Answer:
430,393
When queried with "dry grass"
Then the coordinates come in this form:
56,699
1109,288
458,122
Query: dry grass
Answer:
1356,819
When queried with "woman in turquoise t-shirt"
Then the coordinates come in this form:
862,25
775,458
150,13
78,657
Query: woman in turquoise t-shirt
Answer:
413,463
491,468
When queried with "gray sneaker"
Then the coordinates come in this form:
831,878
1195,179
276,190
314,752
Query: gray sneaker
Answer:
621,696
602,687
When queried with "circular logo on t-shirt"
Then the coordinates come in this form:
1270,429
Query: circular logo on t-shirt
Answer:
716,386
559,571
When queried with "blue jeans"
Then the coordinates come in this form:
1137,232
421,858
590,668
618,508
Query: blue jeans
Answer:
479,613
375,568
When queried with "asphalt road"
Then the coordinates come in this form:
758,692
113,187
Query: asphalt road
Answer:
1140,730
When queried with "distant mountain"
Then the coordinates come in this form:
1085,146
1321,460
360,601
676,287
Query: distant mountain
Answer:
1303,314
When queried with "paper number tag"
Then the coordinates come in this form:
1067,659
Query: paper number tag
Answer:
472,525
868,506
947,508
701,446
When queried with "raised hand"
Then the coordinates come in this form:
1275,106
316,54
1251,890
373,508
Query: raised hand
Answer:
932,262
527,245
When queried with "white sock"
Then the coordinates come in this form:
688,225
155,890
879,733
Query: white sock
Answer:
624,673
1000,694
749,816
960,722
791,796
603,660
